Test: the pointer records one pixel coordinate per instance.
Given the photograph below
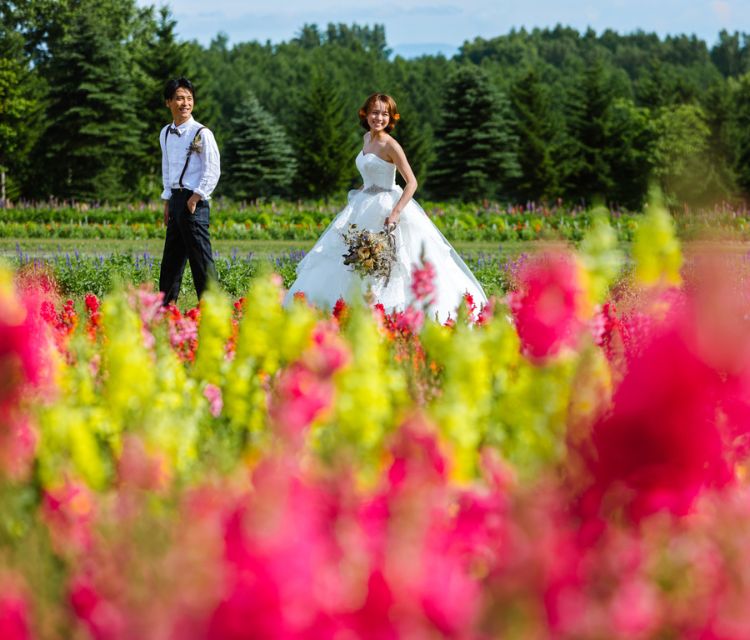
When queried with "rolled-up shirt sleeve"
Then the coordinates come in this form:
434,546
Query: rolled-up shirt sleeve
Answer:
211,165
166,192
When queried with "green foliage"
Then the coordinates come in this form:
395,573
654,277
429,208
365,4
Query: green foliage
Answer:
17,102
740,126
92,133
159,56
325,140
81,104
415,139
536,130
679,151
629,133
475,155
731,54
587,174
260,161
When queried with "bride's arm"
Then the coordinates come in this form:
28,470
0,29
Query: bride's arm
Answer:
398,157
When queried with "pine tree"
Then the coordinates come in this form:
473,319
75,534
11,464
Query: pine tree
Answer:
415,138
536,133
159,57
260,160
475,147
93,135
17,104
741,129
629,137
325,143
586,171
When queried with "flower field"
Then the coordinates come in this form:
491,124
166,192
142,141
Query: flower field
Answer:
77,274
567,462
305,221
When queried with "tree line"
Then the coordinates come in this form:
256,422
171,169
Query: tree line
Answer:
540,115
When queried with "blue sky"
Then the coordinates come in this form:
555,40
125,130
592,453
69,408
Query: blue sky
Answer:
424,26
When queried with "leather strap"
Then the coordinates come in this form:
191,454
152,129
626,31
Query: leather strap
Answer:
189,153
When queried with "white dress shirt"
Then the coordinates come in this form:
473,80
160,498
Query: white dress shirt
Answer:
203,171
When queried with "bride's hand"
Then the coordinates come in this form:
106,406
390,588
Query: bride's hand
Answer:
392,219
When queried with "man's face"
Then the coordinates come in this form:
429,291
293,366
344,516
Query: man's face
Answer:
181,105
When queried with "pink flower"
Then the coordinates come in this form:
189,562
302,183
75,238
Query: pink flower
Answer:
423,283
300,395
486,312
409,321
14,611
547,305
139,468
68,511
18,440
23,345
101,617
213,395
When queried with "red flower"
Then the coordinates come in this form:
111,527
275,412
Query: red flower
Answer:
340,310
661,445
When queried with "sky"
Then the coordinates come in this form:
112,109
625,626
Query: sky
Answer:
414,27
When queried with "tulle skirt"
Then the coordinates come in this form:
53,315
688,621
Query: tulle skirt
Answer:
323,277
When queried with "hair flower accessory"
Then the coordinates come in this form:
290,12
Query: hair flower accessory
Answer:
397,116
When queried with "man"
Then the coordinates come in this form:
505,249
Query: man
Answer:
190,170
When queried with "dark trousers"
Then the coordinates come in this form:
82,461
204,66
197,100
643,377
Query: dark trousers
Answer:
187,239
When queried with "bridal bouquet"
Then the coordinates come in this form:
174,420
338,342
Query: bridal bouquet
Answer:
370,253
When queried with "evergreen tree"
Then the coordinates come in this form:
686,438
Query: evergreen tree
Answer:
475,147
325,142
17,104
260,160
729,55
159,57
741,130
585,168
629,137
415,138
93,136
536,132
718,108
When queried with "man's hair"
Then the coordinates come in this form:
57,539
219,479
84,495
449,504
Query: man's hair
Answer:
175,83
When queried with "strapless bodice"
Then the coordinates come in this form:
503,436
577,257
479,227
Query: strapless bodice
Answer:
377,174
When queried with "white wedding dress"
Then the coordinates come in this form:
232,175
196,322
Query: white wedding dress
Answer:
323,277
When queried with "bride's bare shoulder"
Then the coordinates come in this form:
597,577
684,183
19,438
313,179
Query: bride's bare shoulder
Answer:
392,146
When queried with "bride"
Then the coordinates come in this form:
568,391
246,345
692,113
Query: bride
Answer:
322,275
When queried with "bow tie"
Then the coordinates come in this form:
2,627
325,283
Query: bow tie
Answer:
176,131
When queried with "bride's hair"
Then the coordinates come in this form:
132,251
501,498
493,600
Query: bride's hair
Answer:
390,104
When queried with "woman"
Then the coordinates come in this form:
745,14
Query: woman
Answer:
322,275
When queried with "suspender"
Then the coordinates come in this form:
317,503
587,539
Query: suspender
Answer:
189,151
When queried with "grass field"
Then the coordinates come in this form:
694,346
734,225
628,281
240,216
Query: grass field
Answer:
51,246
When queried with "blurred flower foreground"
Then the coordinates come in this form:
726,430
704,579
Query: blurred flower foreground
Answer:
567,462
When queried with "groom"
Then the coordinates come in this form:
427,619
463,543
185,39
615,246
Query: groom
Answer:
190,170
